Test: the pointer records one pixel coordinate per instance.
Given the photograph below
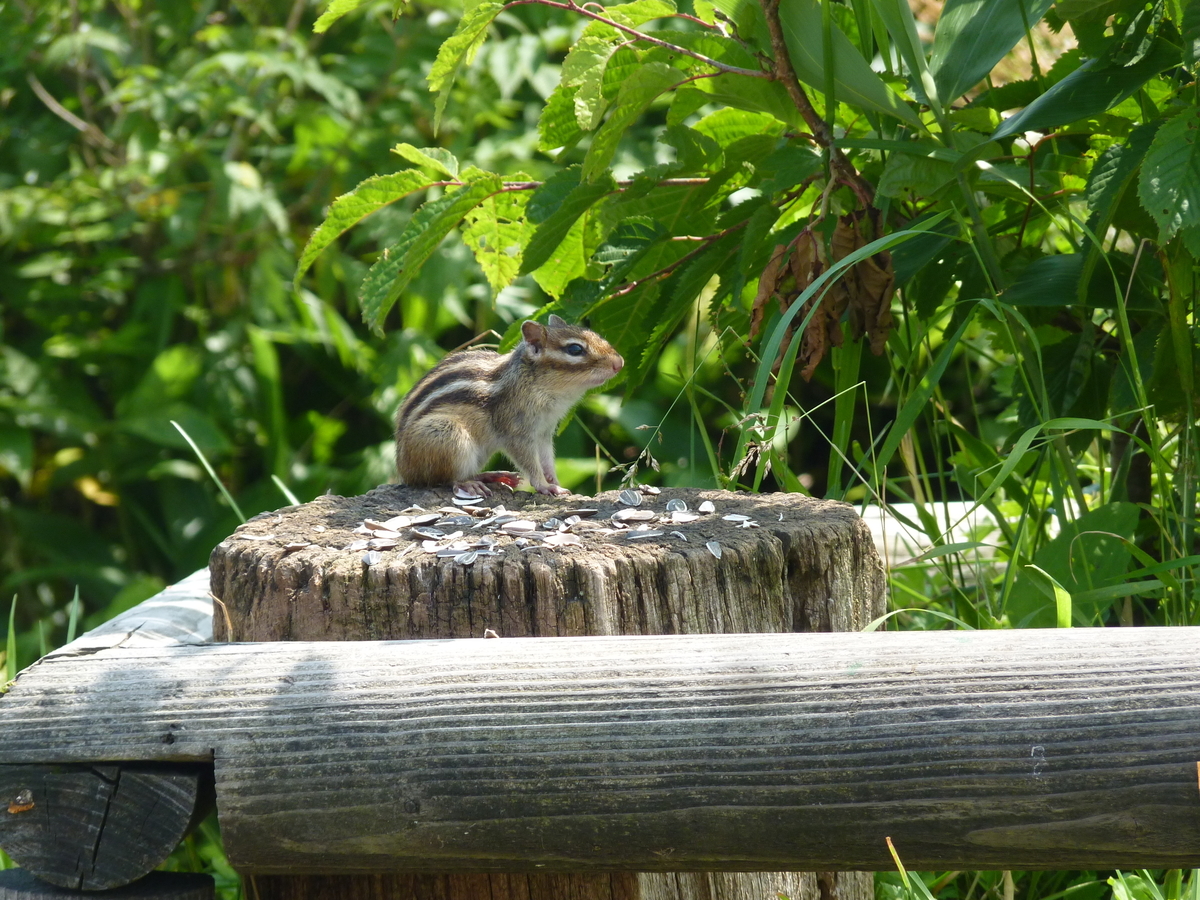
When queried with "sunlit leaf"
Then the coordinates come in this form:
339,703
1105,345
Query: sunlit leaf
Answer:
635,96
569,199
439,159
973,35
334,11
1089,90
1169,187
349,209
497,232
428,227
459,50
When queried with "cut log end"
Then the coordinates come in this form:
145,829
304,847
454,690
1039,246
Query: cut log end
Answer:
330,570
98,827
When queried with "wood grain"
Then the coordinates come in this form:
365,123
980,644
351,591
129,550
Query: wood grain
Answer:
94,827
1001,749
17,884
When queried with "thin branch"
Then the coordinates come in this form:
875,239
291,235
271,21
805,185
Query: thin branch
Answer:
841,168
572,6
670,267
90,131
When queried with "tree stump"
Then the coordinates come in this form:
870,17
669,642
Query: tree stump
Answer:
630,562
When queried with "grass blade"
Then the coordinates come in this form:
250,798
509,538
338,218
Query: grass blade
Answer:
283,489
73,621
10,649
209,469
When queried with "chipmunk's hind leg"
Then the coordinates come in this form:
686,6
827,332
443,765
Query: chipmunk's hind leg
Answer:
442,451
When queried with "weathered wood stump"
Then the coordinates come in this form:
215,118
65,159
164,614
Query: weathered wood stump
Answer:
355,569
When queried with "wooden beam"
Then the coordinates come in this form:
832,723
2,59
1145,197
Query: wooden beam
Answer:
17,884
1000,749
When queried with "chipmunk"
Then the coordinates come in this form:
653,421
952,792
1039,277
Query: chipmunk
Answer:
476,402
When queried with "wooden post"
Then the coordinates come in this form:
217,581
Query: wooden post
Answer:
17,884
780,562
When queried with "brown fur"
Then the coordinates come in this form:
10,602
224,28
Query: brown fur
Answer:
476,402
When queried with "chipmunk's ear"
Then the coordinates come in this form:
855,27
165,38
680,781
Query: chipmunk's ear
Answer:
534,334
556,322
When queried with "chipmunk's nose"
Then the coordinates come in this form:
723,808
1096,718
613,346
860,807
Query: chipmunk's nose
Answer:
618,364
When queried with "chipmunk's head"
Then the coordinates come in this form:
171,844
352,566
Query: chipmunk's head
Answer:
576,355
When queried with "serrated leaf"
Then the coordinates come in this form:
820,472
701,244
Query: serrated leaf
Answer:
854,80
623,320
973,36
636,94
1113,171
584,69
430,224
1169,187
459,50
742,92
566,263
334,11
1089,90
373,194
1190,33
437,158
631,15
497,232
558,125
682,289
554,227
921,176
695,151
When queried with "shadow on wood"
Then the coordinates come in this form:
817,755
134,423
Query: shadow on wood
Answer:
17,884
629,563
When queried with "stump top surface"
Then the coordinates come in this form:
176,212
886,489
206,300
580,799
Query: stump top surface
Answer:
333,526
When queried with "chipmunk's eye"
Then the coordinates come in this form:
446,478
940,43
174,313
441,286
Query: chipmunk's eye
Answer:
574,349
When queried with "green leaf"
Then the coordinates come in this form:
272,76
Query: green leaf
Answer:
566,262
334,11
584,69
1090,552
902,26
920,176
725,126
349,209
682,289
430,224
573,203
439,159
459,50
16,453
1047,281
1089,90
1169,186
1113,171
973,35
497,232
558,125
1045,583
854,80
1190,28
636,94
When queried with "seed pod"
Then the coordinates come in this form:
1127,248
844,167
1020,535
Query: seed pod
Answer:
465,559
682,517
736,517
519,526
707,506
633,515
676,505
714,548
371,557
629,498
